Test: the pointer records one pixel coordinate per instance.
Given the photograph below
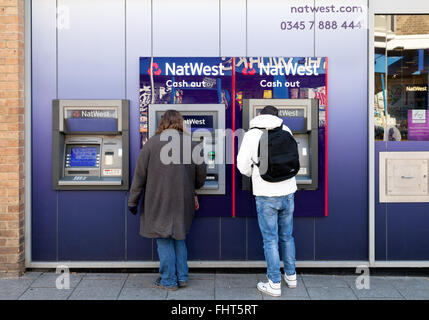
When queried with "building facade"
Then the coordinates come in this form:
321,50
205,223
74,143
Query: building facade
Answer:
74,49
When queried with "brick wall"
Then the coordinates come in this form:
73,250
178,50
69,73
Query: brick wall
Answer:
11,137
412,24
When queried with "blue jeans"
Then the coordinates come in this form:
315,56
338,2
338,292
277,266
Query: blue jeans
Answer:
275,217
173,261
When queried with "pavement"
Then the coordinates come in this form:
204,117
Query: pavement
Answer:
209,286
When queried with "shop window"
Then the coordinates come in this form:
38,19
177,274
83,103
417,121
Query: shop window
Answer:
401,77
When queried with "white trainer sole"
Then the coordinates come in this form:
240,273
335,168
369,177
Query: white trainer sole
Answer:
291,284
268,293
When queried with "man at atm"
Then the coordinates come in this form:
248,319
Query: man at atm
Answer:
274,202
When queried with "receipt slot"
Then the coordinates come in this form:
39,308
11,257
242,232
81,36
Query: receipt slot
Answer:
90,148
211,118
302,118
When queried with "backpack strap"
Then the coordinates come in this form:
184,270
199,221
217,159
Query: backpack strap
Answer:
259,151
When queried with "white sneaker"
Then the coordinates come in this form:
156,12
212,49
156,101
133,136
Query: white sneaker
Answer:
290,280
271,288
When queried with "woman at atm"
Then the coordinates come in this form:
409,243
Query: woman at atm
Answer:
169,200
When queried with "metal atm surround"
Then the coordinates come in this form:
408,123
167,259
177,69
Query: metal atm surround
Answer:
308,135
218,113
103,141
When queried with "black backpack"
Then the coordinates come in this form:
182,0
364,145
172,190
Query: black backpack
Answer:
279,160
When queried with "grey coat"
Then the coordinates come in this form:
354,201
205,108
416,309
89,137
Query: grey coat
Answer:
168,192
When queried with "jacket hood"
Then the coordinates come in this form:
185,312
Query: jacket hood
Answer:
266,121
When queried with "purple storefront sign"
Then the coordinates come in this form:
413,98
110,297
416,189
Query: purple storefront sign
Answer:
418,125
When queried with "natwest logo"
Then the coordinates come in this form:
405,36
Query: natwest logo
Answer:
248,70
288,69
193,69
155,68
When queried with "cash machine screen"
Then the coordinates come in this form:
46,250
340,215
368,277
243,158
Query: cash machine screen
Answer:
294,119
83,157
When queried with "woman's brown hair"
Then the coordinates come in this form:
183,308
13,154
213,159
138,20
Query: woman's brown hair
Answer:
171,119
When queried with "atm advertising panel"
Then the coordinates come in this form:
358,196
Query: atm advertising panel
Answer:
245,85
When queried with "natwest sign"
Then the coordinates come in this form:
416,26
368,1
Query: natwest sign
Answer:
193,69
90,113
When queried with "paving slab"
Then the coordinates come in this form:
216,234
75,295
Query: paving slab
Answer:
373,280
320,281
331,293
192,293
46,294
237,293
74,297
48,280
381,299
106,276
142,294
92,283
410,282
285,297
141,280
415,294
31,275
100,289
11,289
236,280
202,276
196,290
378,291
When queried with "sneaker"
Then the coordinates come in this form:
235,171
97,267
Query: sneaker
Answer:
161,286
270,288
182,284
290,280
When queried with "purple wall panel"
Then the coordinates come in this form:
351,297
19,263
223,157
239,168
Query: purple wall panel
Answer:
233,238
91,52
91,65
98,58
138,29
345,228
91,225
44,199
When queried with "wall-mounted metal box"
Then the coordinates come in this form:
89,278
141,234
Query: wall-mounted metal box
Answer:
90,143
302,118
404,177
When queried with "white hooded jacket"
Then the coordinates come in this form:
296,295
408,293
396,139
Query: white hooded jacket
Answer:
248,155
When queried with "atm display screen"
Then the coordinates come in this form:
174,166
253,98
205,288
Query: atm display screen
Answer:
294,124
293,118
83,157
199,122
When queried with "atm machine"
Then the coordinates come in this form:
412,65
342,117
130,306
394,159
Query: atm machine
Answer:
90,145
211,118
302,118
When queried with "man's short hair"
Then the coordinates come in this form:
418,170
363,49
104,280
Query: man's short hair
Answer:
270,110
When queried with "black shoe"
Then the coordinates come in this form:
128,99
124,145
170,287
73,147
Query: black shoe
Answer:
183,284
159,285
